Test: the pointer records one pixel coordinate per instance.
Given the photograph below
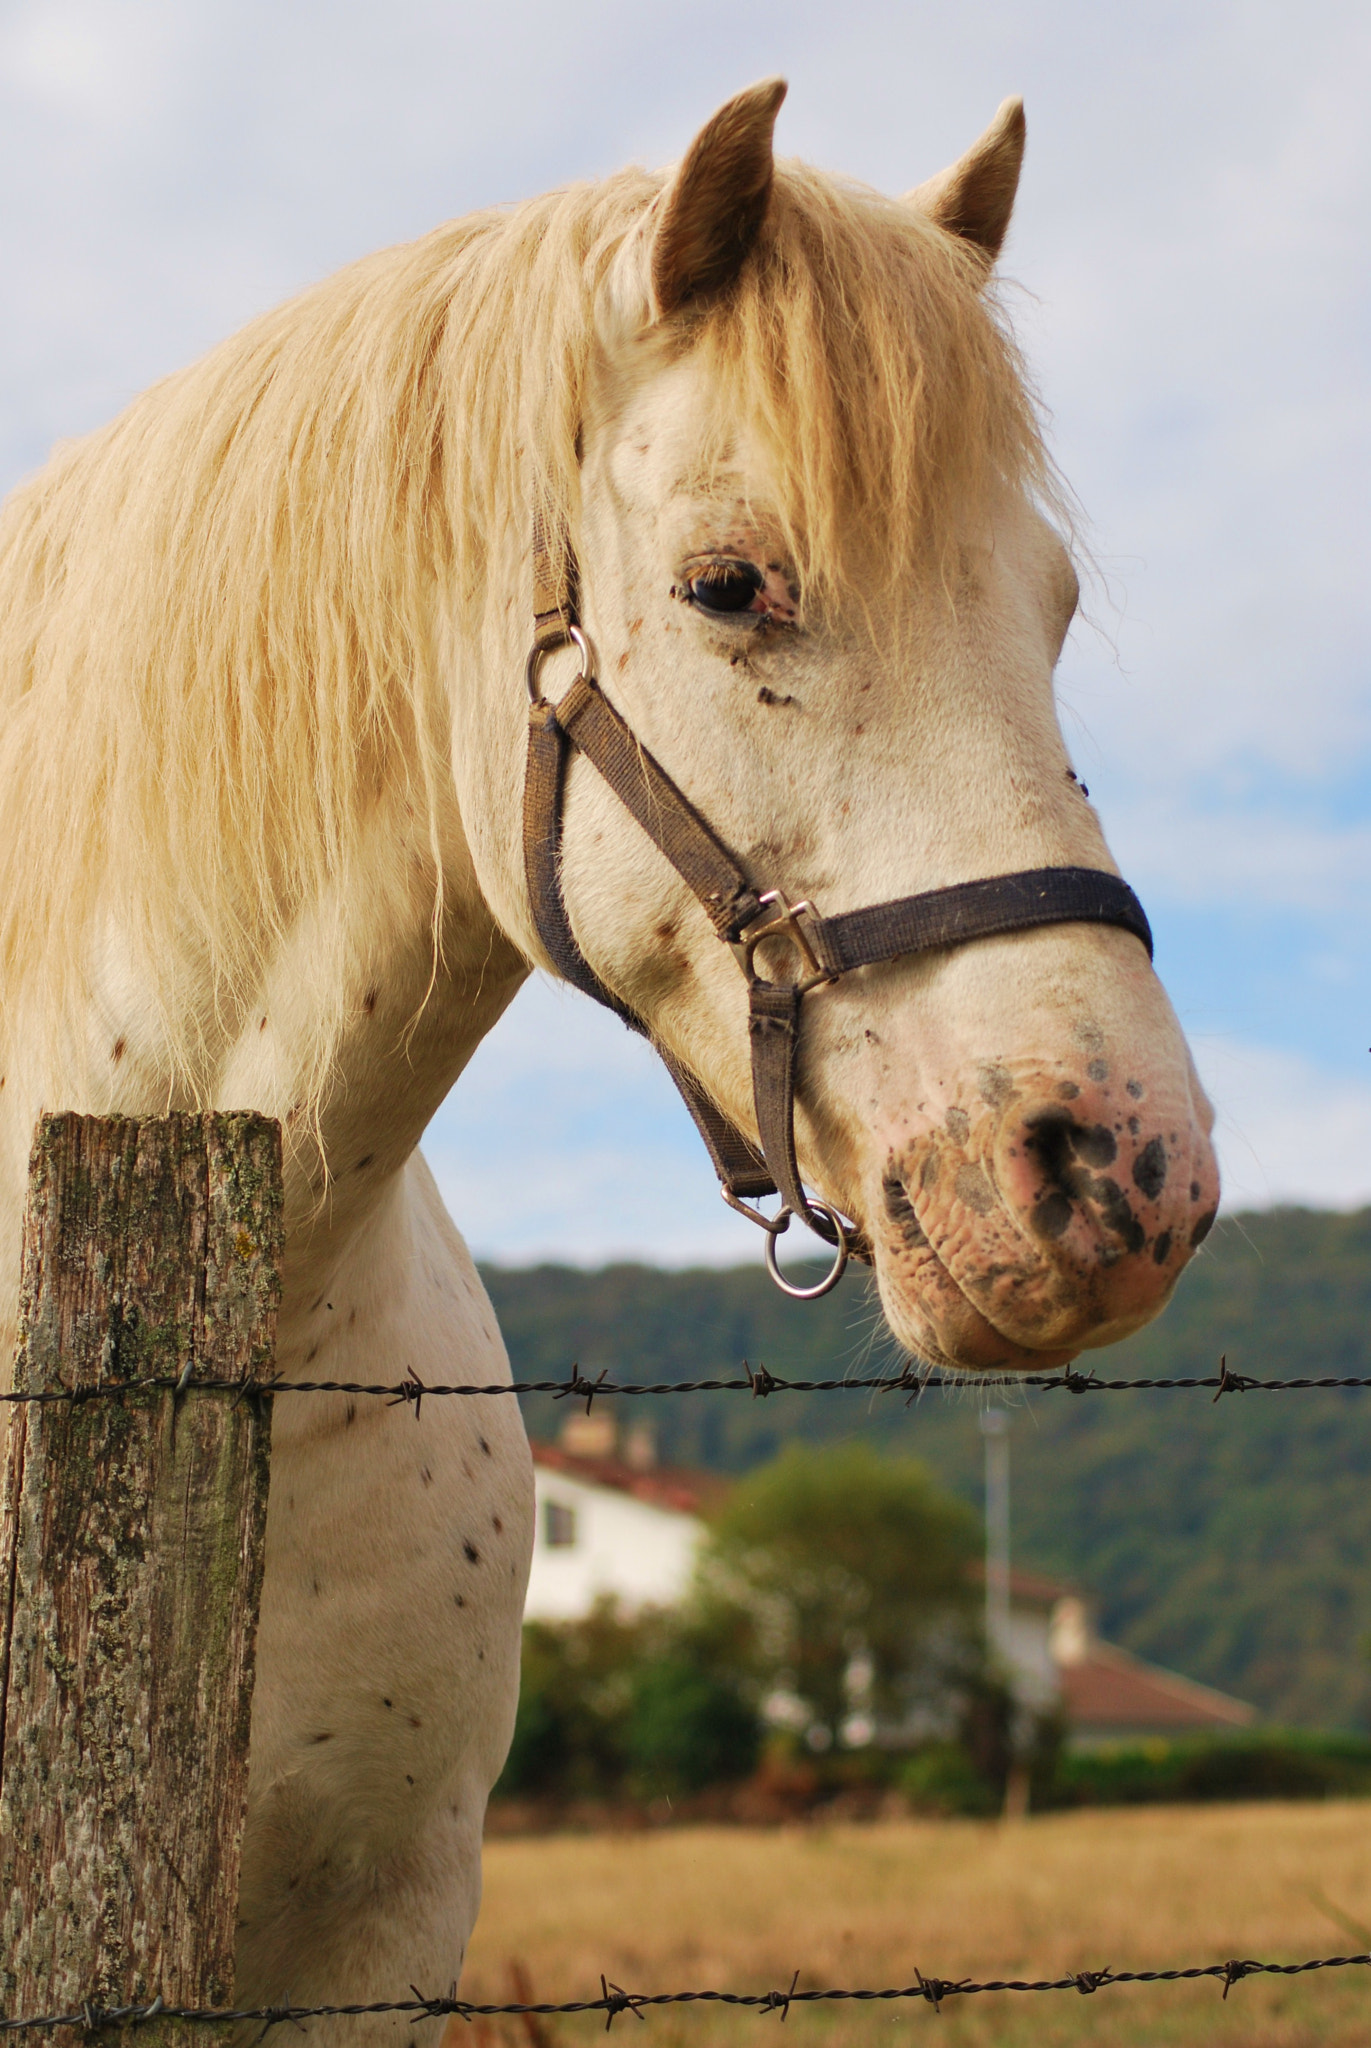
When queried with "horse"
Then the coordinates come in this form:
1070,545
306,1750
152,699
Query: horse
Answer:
262,764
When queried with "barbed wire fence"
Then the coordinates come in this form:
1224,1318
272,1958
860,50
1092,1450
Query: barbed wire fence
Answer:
758,1381
614,2001
92,2016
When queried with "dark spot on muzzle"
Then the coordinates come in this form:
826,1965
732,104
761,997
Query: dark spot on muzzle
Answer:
1149,1169
1203,1227
995,1085
1161,1250
1112,1203
1051,1216
958,1125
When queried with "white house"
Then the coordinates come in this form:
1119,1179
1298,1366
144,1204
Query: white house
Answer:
1106,1694
610,1521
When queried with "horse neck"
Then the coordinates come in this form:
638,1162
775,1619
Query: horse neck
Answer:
407,1009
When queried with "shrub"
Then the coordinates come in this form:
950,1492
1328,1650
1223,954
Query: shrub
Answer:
618,1705
688,1728
574,1695
942,1779
1274,1764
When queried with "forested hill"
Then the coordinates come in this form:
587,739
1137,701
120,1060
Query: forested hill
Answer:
1231,1541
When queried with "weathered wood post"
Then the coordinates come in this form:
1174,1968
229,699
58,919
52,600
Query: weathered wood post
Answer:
131,1560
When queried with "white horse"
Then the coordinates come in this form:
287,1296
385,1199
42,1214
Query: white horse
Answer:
261,763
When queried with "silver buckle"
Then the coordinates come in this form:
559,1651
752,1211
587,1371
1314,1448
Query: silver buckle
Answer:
785,924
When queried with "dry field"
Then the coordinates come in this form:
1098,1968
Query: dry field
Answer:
739,1909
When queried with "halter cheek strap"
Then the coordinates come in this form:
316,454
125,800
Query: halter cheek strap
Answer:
823,948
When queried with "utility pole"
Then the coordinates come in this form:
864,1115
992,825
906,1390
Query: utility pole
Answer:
995,1430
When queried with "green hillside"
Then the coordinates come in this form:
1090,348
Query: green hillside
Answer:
1231,1541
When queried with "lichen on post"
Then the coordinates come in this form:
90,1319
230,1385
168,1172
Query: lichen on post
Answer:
131,1547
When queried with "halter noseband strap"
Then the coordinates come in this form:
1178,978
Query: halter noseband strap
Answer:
824,948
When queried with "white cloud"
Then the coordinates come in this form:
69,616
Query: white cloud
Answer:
1287,1131
1251,859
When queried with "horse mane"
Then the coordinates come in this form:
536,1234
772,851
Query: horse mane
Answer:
223,617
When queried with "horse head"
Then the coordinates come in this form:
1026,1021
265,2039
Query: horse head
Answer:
818,564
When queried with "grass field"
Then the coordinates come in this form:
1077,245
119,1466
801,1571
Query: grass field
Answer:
740,1909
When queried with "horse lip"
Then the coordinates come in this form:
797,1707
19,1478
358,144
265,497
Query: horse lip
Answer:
1027,1357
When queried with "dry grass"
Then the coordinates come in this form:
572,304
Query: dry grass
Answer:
738,1909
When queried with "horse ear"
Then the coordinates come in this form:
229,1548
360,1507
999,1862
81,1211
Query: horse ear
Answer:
700,229
974,197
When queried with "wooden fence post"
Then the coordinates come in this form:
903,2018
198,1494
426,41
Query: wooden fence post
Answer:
131,1561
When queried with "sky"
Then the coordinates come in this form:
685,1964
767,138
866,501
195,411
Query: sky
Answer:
1188,271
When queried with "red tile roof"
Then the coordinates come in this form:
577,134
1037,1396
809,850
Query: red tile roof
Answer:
1112,1692
684,1493
1026,1589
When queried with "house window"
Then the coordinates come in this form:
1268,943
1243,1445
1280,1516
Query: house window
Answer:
559,1525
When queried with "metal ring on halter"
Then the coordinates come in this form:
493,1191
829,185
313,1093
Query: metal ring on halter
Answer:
574,637
831,1278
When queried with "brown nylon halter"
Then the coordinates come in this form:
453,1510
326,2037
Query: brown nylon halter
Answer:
824,948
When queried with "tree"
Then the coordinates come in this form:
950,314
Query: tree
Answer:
617,1705
840,1556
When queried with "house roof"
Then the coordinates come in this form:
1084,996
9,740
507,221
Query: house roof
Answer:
678,1491
1111,1691
1026,1589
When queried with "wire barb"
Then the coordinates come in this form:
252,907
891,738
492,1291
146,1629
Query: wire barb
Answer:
615,2000
779,2001
411,1388
1234,1972
576,1385
1231,1382
936,1989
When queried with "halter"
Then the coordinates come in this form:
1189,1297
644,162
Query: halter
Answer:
823,948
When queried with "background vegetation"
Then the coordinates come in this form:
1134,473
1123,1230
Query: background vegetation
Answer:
825,1567
1229,1541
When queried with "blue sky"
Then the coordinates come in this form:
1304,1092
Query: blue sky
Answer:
1190,259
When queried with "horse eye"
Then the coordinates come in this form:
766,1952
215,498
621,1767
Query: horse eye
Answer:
724,587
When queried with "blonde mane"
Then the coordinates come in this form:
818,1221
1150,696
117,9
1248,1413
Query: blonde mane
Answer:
220,615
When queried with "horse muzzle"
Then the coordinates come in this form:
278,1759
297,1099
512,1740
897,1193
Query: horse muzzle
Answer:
1016,1234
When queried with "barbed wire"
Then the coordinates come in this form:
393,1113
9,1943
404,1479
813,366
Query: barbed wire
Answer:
614,2001
758,1381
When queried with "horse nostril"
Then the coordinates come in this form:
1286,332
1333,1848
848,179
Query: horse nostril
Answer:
900,1210
1067,1179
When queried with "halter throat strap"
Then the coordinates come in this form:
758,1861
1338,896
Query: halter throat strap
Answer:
823,948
